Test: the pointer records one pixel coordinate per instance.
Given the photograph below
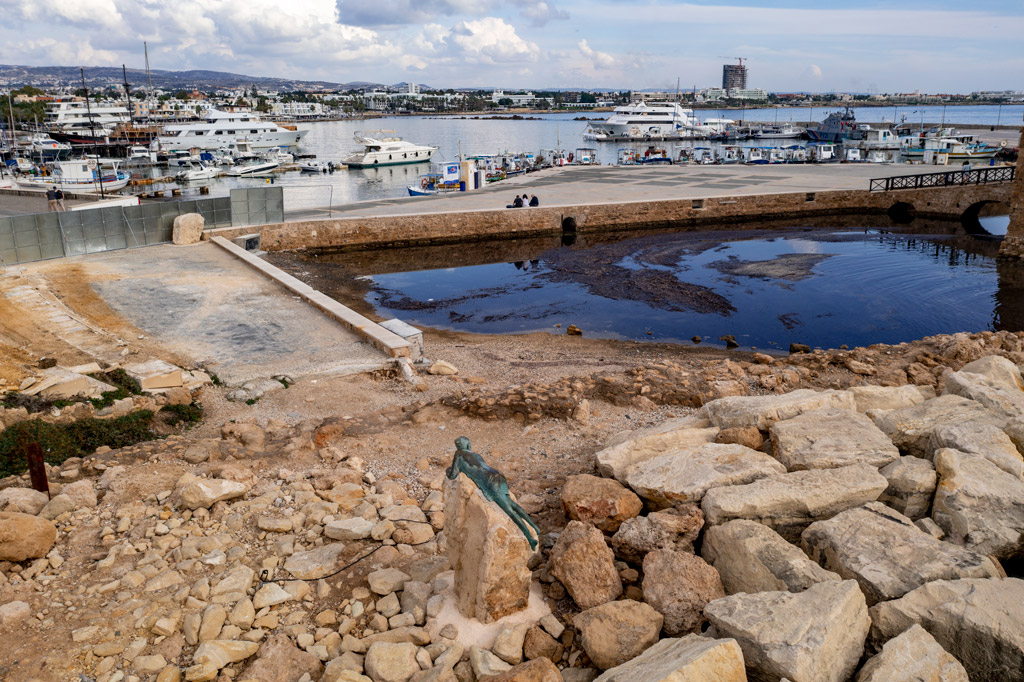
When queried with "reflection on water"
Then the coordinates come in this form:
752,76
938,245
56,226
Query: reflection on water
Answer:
768,288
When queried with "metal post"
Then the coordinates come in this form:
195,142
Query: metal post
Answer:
36,468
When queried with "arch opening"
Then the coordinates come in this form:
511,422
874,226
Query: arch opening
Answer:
568,225
986,218
902,212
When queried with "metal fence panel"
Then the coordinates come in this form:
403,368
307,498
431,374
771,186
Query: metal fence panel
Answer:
257,206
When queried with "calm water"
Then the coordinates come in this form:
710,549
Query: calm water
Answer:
824,288
333,140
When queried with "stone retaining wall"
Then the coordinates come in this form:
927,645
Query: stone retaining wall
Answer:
1013,245
439,228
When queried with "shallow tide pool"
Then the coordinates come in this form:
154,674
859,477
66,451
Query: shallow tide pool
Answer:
821,287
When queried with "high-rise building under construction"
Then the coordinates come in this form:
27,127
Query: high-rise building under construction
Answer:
734,77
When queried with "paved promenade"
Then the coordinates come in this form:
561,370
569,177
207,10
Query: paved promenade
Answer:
575,185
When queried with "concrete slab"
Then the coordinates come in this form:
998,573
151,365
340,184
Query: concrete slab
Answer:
205,304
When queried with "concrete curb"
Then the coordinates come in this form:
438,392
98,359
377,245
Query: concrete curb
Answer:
390,343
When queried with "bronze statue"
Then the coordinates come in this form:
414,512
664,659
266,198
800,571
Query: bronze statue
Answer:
492,485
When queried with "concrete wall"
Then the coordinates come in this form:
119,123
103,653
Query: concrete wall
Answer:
453,227
1013,244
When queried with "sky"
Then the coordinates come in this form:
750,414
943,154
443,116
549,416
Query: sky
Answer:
788,45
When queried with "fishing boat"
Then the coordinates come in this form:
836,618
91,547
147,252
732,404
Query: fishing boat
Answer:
253,168
836,127
444,178
81,174
777,132
953,148
867,138
379,149
822,152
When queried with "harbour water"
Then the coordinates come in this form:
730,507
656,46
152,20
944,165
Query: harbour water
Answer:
488,134
808,284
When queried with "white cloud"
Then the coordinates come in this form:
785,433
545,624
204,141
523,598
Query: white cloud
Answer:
540,12
489,40
601,60
813,71
61,52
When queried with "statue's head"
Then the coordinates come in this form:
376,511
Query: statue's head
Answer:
462,443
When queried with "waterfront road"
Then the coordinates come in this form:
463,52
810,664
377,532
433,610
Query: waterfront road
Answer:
576,185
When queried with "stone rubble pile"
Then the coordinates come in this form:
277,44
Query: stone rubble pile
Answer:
874,533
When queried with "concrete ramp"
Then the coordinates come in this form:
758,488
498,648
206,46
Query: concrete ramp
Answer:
205,304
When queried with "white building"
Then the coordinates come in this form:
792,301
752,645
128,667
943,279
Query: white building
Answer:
297,109
757,94
523,100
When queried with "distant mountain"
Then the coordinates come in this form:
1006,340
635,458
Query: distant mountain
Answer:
16,76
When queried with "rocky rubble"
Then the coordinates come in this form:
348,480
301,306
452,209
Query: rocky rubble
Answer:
814,536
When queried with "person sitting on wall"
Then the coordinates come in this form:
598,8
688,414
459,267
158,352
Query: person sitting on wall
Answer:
516,203
534,201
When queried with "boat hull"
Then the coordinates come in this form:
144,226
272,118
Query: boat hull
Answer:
378,164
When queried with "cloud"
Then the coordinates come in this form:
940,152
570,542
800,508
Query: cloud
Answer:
540,12
600,60
489,40
62,52
813,71
402,12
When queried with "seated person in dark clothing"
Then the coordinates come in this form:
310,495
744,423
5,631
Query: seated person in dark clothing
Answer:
516,203
533,200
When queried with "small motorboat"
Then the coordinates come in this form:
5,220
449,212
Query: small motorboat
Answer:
317,167
197,171
251,169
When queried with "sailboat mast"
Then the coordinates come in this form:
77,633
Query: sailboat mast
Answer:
128,94
98,173
149,79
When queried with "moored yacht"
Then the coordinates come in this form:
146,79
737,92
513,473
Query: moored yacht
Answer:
381,150
221,128
640,120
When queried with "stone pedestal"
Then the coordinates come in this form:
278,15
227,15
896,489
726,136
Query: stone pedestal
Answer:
488,552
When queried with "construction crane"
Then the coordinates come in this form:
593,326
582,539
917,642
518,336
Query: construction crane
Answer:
739,59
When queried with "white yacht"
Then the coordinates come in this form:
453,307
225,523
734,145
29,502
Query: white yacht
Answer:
221,128
641,120
387,151
77,123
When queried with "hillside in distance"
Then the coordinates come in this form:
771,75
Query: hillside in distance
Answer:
55,76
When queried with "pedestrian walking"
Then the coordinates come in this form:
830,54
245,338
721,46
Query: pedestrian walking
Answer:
51,198
59,194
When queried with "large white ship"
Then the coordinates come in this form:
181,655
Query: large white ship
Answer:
640,120
221,128
76,122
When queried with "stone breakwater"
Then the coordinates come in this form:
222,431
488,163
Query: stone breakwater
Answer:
856,532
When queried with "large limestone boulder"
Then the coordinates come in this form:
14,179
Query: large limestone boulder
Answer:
999,370
912,657
812,636
215,654
585,565
980,621
828,439
22,500
910,428
196,493
978,504
685,475
1005,403
790,502
604,502
751,557
23,536
675,528
678,585
688,659
912,482
188,229
488,552
537,670
980,438
764,410
618,631
887,554
887,397
625,449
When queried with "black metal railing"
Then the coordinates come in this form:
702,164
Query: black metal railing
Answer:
975,176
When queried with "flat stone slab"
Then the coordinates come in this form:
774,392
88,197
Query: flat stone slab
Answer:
887,397
625,449
980,621
790,502
812,636
687,659
978,504
1003,400
830,438
685,475
751,557
912,483
910,428
887,554
980,438
764,410
912,657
